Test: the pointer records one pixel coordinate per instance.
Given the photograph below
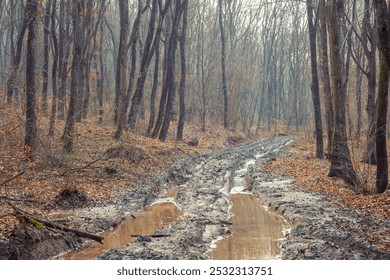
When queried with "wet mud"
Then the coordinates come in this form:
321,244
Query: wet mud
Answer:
256,233
139,226
207,194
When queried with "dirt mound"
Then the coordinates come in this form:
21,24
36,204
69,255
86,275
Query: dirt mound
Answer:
132,153
235,139
71,198
28,242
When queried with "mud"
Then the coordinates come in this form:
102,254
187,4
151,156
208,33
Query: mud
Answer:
255,232
320,229
200,188
69,198
137,226
28,242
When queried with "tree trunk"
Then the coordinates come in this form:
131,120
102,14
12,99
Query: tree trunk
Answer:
164,92
125,98
16,62
156,67
170,86
46,45
341,164
63,55
31,106
68,135
382,179
54,69
147,55
100,74
324,73
383,30
182,89
368,36
223,66
121,64
315,89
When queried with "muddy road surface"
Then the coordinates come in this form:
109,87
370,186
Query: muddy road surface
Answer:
201,190
222,205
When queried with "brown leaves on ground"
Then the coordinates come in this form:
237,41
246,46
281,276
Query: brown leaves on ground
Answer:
89,169
311,174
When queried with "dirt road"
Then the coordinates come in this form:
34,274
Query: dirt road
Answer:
319,230
197,209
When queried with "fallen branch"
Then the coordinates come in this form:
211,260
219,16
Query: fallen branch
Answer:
12,178
226,223
85,166
151,236
18,199
50,224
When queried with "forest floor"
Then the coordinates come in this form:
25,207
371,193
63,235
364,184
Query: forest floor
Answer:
95,187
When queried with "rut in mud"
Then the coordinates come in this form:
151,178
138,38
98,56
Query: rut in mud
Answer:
206,215
202,187
207,191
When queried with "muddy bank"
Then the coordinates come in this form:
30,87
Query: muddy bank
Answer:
320,229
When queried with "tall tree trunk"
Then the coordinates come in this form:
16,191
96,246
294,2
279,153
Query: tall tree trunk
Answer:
164,92
156,65
125,100
223,66
31,106
182,89
341,164
324,73
100,74
383,32
121,64
382,178
54,69
315,89
68,135
368,37
170,86
63,56
16,59
147,55
46,45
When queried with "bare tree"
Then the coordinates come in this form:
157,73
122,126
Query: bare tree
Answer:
68,135
315,89
324,72
54,69
170,86
383,30
341,164
183,65
31,106
223,66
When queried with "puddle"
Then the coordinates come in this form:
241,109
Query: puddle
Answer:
146,223
255,233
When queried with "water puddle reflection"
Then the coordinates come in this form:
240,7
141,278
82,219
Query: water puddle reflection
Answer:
255,233
146,223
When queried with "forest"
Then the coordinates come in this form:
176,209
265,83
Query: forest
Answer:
111,107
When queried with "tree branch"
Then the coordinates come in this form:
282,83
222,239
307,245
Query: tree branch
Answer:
12,178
